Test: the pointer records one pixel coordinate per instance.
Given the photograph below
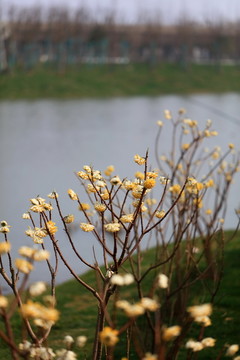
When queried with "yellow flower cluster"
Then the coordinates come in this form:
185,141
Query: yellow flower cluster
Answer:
109,336
109,170
72,194
23,266
128,218
3,302
86,227
139,308
4,227
35,310
34,254
51,228
160,214
112,227
139,160
99,207
171,332
68,219
122,280
201,313
39,205
37,234
5,247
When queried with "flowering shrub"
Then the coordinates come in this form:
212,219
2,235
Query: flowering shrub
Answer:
176,205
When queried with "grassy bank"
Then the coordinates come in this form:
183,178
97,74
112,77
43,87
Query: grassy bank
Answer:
78,308
119,80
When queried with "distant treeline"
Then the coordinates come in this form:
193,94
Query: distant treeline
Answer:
60,37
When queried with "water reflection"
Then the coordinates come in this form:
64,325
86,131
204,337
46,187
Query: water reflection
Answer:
43,142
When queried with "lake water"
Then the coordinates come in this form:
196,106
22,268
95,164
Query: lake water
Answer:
43,142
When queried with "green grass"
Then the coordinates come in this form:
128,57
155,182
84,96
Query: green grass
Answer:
78,308
96,81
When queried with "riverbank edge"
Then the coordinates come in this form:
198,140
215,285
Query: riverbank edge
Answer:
106,81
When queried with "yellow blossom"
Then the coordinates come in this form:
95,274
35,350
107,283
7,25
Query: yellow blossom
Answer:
215,155
175,189
37,208
163,180
139,160
68,219
36,234
68,340
109,170
108,336
86,227
72,194
134,310
100,184
160,123
185,146
149,356
171,332
208,342
191,181
121,280
92,188
149,304
135,203
100,207
137,191
198,202
151,202
232,349
105,195
26,216
26,251
37,288
208,212
149,183
41,255
51,227
203,320
5,247
194,345
82,175
87,168
231,146
189,122
209,183
112,227
200,310
84,206
139,175
4,227
160,214
3,302
23,266
36,310
37,201
128,218
115,180
152,174
128,185
81,341
199,186
53,195
162,281
167,114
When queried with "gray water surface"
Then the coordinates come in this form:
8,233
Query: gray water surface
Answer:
43,142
